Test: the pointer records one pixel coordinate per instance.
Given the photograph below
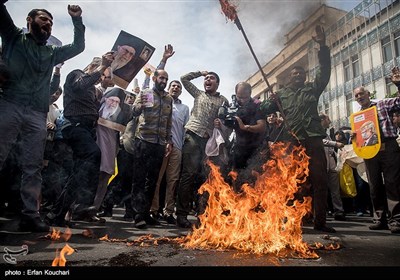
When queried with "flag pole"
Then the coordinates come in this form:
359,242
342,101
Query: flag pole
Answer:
240,27
229,11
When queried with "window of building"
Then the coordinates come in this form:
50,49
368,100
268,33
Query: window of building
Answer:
387,49
396,36
355,63
351,69
349,104
346,70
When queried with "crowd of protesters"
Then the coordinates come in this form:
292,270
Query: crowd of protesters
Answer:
59,164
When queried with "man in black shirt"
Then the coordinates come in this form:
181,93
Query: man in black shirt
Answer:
250,129
79,131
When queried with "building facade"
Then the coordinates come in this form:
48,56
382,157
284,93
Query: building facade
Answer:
365,46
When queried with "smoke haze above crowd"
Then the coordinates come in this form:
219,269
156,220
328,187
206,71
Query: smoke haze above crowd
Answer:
200,34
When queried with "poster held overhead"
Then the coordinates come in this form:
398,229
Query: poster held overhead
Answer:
130,55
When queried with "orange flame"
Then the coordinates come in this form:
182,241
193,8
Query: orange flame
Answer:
104,238
317,245
228,9
333,246
60,260
56,259
328,247
262,219
147,240
55,234
108,239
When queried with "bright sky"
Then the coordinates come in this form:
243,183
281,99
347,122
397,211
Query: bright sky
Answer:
200,34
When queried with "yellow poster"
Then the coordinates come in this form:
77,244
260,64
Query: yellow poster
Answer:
367,142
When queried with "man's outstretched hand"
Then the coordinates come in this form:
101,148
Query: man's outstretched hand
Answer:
168,51
74,10
319,35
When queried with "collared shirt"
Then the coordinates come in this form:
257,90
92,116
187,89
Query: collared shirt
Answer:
385,109
31,64
301,106
205,107
154,123
180,116
80,95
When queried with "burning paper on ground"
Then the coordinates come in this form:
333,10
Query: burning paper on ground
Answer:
264,218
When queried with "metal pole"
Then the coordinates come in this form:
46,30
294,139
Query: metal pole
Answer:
240,27
278,104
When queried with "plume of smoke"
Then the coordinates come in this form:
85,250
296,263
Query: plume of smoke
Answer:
266,23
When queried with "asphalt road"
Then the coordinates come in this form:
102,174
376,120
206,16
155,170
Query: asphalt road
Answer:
129,247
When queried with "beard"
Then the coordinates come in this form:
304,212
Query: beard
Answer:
38,33
108,111
117,64
160,86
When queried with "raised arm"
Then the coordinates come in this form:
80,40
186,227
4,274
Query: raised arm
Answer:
319,37
188,85
78,45
74,11
7,26
168,52
324,56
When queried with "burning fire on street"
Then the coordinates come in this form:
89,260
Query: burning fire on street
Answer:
264,218
60,259
56,235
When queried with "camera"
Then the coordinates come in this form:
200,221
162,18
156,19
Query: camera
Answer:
228,114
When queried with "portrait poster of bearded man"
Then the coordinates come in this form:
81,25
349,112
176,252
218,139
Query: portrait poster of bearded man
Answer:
114,112
130,55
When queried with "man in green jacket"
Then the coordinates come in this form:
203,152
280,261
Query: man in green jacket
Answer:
299,103
25,100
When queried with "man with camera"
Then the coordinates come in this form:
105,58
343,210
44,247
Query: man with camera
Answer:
245,117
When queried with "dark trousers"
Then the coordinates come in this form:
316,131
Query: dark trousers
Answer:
388,163
362,201
318,177
193,172
120,188
82,183
29,125
148,158
56,174
244,161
